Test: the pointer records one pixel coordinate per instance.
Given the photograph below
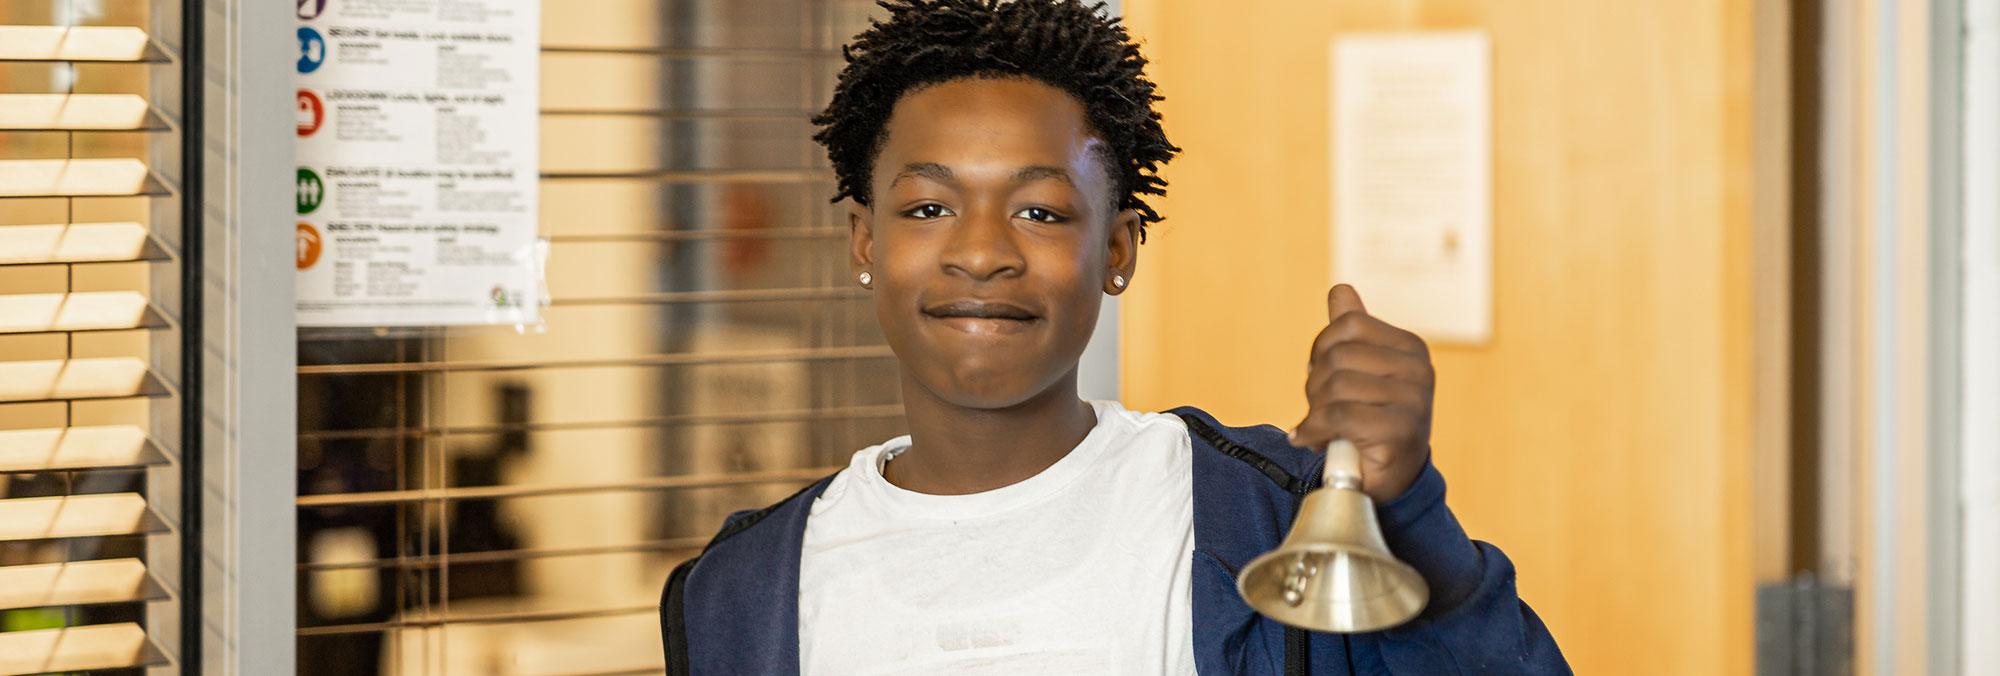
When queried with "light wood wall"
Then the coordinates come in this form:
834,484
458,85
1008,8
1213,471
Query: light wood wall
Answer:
1603,439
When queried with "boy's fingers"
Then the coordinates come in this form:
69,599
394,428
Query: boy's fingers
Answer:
1367,425
1360,386
1341,300
1363,327
1314,432
1381,360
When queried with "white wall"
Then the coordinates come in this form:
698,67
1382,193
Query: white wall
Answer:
1097,375
1980,302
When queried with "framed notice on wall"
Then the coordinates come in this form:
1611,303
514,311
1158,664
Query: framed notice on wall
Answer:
1413,179
417,176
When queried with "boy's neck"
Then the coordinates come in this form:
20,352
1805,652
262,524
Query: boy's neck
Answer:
957,451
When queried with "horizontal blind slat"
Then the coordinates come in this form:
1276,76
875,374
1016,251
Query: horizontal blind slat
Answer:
78,112
77,43
698,52
84,311
527,491
101,646
789,415
77,583
717,296
621,672
43,244
483,618
698,175
801,354
105,177
685,114
96,378
669,235
511,555
76,516
75,448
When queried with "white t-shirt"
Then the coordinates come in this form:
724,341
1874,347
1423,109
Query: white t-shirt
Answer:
1081,569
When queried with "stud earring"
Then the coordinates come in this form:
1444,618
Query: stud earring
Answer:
866,278
1118,281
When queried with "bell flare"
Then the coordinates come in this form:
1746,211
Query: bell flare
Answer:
1334,573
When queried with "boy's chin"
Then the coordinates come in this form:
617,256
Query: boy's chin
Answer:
989,389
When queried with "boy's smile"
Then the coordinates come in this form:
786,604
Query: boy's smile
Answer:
982,316
990,240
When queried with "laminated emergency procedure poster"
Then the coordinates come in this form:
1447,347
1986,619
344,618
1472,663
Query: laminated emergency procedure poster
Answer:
1412,132
417,161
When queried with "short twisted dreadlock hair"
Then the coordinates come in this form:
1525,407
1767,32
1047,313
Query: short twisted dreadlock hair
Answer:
1063,43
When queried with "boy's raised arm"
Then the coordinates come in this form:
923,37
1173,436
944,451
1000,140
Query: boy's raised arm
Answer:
1371,383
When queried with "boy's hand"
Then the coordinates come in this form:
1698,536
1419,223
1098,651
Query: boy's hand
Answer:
1369,383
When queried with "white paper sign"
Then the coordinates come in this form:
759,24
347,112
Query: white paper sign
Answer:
1413,179
418,160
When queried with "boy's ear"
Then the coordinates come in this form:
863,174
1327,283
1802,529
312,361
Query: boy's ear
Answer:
860,240
1123,250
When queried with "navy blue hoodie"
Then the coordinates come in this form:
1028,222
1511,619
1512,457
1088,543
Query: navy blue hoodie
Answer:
734,610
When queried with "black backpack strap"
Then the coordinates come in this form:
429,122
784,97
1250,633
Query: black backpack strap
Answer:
1266,466
1297,658
673,619
1295,652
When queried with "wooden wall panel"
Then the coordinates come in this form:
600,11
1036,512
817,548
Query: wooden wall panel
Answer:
1603,438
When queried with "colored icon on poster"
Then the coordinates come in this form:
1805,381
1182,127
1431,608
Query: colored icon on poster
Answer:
311,112
311,191
311,9
309,245
312,50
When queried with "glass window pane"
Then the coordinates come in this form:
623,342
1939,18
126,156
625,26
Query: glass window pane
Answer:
474,497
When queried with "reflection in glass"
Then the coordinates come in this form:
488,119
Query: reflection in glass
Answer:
486,501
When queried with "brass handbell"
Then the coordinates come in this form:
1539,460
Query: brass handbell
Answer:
1334,573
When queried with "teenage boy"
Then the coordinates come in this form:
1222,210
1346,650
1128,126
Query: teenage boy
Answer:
996,156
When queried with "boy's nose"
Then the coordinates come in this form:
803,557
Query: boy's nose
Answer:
982,247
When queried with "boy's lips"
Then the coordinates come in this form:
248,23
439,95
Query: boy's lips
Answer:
982,317
979,309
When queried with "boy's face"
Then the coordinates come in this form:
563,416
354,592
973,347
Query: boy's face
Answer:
991,240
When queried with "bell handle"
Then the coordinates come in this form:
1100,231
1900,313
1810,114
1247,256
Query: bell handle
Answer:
1343,466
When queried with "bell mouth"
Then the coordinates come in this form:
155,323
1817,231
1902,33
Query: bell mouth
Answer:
1333,588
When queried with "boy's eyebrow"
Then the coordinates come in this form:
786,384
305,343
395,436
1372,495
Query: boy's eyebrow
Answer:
1040,172
931,170
943,174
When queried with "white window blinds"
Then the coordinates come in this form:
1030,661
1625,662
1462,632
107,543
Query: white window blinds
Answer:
91,309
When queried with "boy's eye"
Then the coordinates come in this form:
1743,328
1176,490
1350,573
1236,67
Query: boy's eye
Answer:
928,211
1039,215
